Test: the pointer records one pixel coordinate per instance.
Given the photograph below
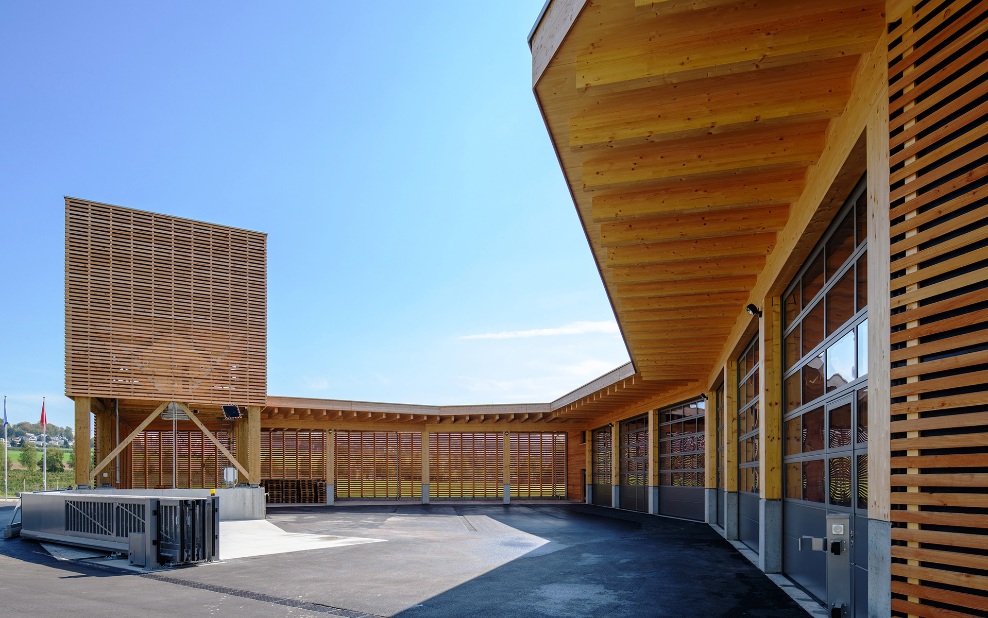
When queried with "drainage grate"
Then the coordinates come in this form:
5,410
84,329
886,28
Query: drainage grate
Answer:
339,612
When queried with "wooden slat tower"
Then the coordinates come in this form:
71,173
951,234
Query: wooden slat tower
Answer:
162,309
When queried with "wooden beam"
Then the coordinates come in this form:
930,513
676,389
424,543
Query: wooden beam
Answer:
712,154
692,250
693,300
689,286
780,185
748,220
746,265
83,458
784,94
120,447
219,445
762,40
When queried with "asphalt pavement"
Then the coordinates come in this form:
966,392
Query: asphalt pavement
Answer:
439,560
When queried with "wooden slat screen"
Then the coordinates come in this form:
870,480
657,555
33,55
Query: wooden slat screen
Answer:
602,459
378,464
938,93
577,467
200,464
293,454
293,466
162,308
466,465
538,465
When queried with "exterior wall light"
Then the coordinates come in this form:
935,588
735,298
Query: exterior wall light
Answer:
753,310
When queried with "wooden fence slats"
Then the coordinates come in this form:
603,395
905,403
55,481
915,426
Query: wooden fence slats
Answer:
939,410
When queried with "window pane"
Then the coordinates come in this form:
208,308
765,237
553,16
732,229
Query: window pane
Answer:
863,349
841,244
794,436
793,399
792,306
813,379
813,430
813,481
862,415
840,302
793,352
813,328
794,482
862,267
840,362
840,481
813,279
863,482
840,426
861,217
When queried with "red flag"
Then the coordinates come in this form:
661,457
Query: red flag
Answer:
44,421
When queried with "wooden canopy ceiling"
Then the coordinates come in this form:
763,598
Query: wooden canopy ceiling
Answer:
685,129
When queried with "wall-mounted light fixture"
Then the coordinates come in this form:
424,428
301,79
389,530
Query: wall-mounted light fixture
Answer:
753,310
703,396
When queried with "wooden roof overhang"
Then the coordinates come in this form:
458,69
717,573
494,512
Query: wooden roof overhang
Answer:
619,390
685,130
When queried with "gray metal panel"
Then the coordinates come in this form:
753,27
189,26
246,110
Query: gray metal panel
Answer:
634,498
859,565
601,494
748,509
685,502
807,568
839,565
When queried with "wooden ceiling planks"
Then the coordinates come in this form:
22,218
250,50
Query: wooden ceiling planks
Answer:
685,131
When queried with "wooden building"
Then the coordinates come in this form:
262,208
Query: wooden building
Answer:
822,164
785,200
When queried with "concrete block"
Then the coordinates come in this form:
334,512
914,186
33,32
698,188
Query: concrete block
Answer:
710,505
770,535
653,500
731,516
879,568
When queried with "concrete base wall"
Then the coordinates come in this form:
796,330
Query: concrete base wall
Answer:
615,496
653,500
425,493
879,568
731,515
589,494
710,506
330,494
507,494
770,535
236,503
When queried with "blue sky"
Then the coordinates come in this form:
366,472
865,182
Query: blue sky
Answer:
422,244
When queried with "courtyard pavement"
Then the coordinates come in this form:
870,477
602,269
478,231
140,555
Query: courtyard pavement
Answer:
411,561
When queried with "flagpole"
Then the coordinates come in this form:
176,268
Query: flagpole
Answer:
5,447
44,442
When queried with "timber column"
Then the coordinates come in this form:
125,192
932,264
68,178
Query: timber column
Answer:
83,460
506,463
104,444
731,513
425,466
253,463
711,420
616,465
331,467
653,462
588,477
770,437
